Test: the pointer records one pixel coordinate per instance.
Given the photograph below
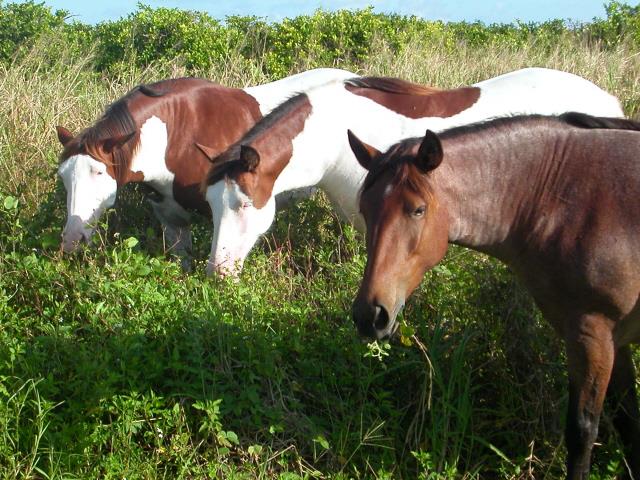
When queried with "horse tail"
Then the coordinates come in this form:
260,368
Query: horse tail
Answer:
582,120
391,85
149,91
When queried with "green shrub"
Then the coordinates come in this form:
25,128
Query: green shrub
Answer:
321,39
22,23
149,35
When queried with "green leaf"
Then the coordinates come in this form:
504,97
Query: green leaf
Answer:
289,476
10,203
322,441
406,341
232,437
131,242
407,330
255,450
144,270
273,429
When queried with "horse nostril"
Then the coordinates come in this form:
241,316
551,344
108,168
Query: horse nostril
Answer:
381,317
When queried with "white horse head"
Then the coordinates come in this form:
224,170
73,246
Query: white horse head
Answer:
89,178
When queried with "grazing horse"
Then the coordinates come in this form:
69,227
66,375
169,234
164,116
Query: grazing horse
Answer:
555,198
302,142
149,135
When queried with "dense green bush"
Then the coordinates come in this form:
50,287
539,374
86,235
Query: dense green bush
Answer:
152,34
322,38
22,23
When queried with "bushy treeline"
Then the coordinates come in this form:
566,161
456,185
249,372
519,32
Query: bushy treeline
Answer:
201,41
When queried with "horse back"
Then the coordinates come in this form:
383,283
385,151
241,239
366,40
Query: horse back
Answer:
194,111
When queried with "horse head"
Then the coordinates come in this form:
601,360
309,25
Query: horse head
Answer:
89,170
407,229
242,208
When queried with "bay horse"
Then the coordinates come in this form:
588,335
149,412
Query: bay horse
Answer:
300,144
150,134
556,199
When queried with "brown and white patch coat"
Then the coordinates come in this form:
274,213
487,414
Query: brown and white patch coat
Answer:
303,142
150,136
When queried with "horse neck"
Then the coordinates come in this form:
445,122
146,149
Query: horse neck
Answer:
493,184
321,153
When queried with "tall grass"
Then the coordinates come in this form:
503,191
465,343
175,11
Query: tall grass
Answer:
115,364
614,69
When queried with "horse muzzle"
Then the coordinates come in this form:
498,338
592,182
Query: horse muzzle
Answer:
224,269
74,234
373,320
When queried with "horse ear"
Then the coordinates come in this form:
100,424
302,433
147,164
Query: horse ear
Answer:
209,152
64,135
118,141
364,153
249,157
430,153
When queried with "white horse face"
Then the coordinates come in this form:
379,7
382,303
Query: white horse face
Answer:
90,191
237,224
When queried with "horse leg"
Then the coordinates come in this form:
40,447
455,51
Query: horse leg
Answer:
590,355
175,228
177,241
626,419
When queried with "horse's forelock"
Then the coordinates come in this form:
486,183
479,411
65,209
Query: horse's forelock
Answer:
404,173
221,167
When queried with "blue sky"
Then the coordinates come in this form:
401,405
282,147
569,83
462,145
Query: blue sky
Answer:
488,11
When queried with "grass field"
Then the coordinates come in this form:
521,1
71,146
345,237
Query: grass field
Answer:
115,364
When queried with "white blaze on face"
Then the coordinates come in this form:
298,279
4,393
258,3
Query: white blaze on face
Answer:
237,224
90,191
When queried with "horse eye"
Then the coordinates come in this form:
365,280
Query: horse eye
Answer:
418,212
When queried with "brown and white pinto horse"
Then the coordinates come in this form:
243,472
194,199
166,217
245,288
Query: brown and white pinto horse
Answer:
300,144
150,134
556,198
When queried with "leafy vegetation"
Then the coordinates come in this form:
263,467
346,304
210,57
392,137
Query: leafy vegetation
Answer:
114,363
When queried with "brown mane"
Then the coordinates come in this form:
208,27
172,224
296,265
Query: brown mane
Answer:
583,120
116,121
222,168
391,85
413,100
